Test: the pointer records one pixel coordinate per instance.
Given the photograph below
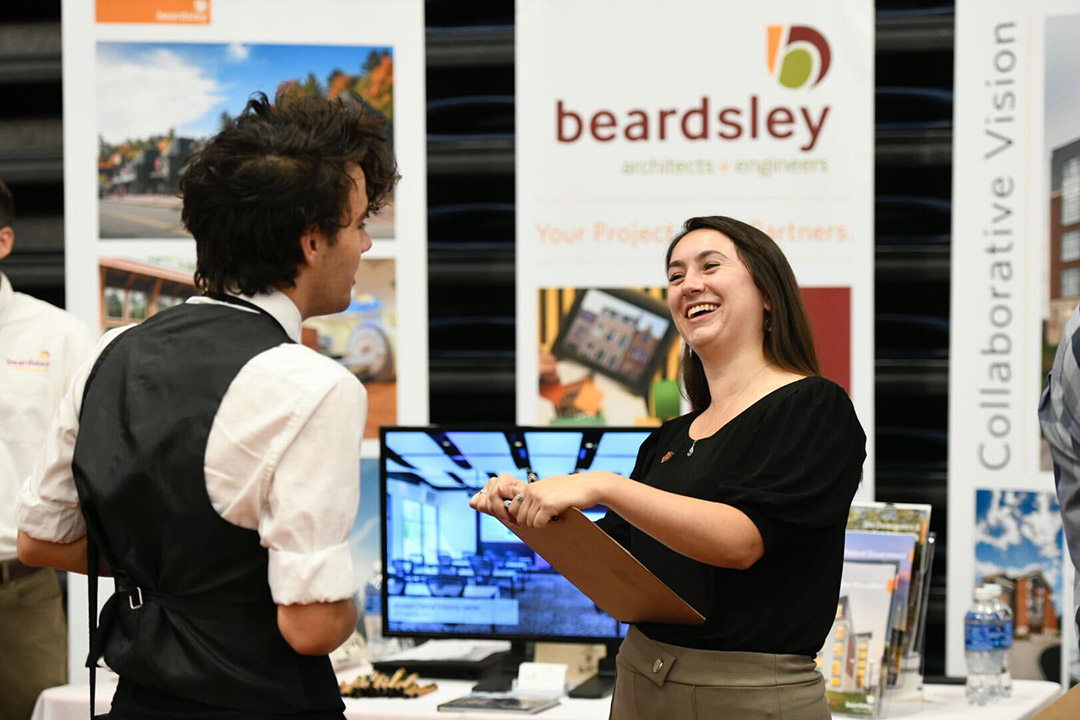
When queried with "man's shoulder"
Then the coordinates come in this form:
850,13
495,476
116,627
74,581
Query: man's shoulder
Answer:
27,308
299,364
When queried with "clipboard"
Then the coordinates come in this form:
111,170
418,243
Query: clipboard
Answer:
602,569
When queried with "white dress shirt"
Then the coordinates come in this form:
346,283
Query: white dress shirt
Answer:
282,458
41,347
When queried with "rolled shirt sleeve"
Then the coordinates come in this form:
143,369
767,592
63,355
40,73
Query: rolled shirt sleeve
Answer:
313,499
283,458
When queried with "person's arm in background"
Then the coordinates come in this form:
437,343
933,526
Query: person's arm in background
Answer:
1059,411
62,556
52,532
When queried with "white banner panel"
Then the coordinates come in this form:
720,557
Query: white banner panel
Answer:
1016,123
147,82
633,116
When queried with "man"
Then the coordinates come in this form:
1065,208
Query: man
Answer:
40,348
212,458
1059,414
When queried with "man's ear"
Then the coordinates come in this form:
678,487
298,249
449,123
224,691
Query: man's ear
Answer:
7,241
310,244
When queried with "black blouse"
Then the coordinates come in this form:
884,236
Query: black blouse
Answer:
791,462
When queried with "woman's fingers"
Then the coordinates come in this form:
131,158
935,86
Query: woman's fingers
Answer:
496,492
510,500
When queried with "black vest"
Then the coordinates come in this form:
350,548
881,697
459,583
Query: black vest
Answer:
207,629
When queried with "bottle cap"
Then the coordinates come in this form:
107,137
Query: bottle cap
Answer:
994,588
982,593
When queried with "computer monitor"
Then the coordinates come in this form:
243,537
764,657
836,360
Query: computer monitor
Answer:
453,572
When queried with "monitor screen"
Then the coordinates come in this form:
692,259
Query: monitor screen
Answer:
454,572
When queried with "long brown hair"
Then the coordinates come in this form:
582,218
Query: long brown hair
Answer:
788,343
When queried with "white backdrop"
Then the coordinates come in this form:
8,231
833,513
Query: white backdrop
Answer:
1017,99
153,57
633,116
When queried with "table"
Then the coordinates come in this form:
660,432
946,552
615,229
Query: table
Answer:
940,702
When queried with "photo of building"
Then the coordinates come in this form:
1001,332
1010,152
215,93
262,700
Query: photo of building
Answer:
853,659
1019,545
1031,598
613,339
160,101
837,661
134,290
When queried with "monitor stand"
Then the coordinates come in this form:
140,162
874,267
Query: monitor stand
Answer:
501,677
601,684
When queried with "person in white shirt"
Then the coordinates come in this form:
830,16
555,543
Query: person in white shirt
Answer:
40,348
211,458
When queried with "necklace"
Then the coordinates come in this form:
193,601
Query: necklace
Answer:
727,406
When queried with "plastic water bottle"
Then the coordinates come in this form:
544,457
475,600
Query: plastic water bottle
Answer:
373,609
1005,613
982,627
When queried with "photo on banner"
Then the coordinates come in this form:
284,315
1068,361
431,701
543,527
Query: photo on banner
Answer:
1061,163
1019,546
159,102
135,288
607,357
363,338
611,355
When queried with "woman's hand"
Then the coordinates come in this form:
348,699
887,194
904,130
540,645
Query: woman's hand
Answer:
490,497
544,500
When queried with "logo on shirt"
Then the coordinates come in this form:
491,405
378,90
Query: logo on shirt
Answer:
670,454
41,363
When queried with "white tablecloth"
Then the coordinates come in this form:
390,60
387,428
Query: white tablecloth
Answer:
940,702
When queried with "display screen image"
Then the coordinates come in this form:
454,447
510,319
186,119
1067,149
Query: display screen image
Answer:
619,333
451,571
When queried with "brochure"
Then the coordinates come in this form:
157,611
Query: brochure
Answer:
855,651
912,519
499,702
893,547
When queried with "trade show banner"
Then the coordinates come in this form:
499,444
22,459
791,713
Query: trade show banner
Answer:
1015,280
146,82
761,112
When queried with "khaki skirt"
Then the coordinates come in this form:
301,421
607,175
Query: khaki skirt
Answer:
658,681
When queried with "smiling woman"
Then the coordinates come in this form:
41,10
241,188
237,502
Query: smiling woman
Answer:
739,506
752,257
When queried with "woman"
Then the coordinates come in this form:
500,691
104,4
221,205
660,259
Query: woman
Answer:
739,506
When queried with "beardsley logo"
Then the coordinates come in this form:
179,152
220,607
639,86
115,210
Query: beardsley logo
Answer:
41,363
794,61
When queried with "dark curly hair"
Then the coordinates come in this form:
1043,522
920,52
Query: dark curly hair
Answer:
274,172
